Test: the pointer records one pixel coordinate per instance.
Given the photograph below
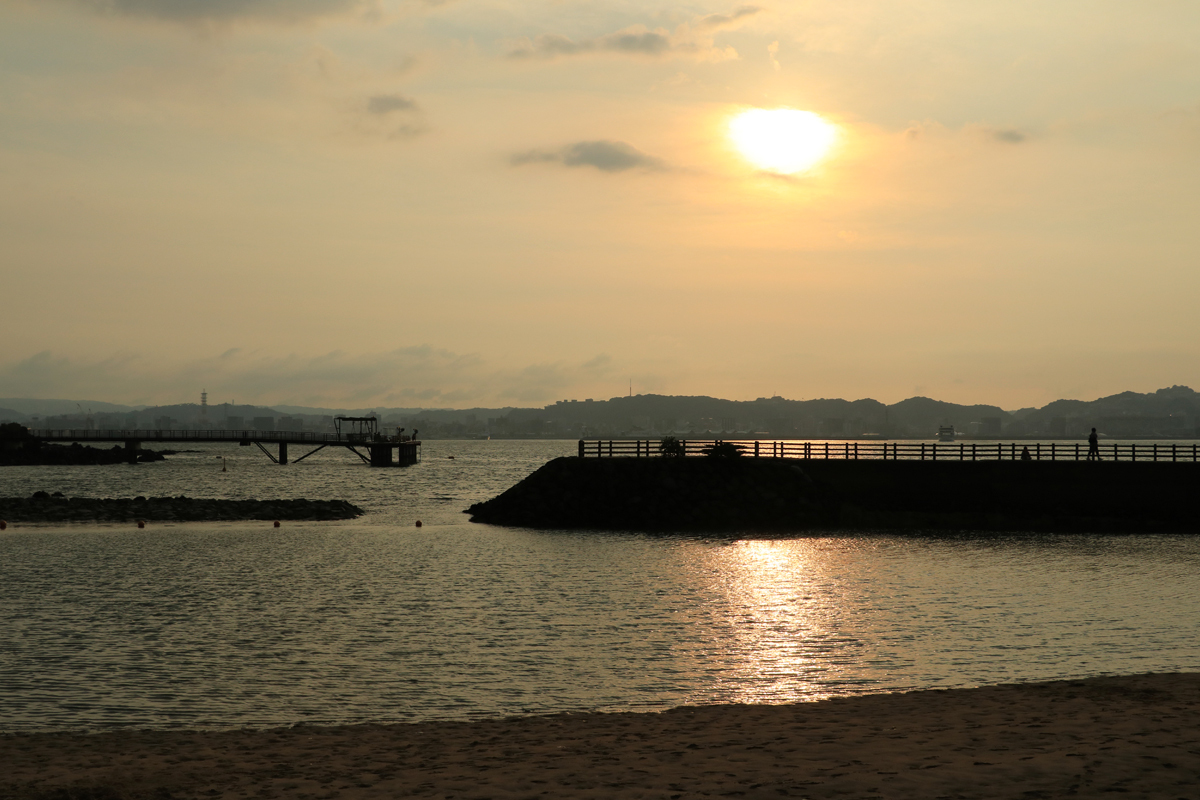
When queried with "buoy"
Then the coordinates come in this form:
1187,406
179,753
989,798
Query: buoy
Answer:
418,523
276,523
223,465
449,456
3,525
141,523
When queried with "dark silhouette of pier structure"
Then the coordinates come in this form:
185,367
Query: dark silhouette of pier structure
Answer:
359,435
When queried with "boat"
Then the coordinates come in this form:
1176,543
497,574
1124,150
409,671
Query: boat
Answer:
945,433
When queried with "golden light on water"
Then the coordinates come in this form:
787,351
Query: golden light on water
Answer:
783,140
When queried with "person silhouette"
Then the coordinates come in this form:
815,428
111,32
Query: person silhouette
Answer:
1093,446
1025,455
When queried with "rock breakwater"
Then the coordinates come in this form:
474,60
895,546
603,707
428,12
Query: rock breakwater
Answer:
43,507
736,495
662,494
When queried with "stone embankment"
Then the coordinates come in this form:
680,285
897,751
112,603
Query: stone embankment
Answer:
74,454
43,507
734,495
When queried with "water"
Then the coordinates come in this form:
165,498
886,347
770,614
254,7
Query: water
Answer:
241,625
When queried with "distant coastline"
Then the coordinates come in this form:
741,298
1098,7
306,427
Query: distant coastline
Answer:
1168,413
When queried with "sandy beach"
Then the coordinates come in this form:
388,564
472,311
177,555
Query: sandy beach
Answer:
1138,736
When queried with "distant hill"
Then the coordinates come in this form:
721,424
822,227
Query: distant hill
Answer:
31,406
1172,412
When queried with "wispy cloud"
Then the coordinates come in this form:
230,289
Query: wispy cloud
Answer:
604,155
994,134
387,103
691,39
226,11
714,21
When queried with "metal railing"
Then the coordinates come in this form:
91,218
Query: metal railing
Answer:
898,451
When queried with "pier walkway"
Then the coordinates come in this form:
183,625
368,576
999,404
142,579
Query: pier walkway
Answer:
897,451
381,451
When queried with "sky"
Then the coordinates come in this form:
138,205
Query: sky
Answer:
468,203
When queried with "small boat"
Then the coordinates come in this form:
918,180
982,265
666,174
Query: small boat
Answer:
945,433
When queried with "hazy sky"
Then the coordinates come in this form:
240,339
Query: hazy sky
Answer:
348,202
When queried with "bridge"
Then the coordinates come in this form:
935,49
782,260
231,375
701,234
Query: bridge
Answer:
361,435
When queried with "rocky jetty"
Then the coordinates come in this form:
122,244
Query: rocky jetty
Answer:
75,454
745,495
18,447
662,494
43,507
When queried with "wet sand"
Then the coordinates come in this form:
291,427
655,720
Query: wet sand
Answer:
1135,736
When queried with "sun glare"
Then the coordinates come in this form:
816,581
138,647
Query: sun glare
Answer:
783,140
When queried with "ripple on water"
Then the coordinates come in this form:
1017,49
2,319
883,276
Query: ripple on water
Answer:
237,624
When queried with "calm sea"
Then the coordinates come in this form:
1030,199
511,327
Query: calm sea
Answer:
242,625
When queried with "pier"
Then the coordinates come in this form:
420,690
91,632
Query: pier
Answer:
896,451
359,435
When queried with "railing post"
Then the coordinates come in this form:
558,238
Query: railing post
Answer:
922,451
581,448
827,451
1133,452
1155,455
1038,449
756,448
1052,451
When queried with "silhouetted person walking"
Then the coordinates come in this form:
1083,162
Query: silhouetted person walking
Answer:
1093,447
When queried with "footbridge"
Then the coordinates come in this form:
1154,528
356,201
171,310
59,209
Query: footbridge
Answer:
359,435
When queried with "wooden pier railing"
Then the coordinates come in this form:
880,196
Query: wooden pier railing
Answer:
899,451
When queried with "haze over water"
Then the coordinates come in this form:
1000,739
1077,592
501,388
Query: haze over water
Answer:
239,624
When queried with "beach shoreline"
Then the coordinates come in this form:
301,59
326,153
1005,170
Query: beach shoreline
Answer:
1134,735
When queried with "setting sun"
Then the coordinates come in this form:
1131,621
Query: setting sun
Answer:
783,140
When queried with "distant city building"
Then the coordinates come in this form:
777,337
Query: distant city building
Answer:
264,423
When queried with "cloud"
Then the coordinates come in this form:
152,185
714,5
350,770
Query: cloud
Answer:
226,11
387,103
773,52
649,43
993,134
713,21
636,41
1010,136
691,39
604,155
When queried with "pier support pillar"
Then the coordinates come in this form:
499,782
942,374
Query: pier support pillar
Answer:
283,452
381,455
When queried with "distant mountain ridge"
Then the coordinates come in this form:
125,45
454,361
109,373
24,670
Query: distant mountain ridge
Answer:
1170,412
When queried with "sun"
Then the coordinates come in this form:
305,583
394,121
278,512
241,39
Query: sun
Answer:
783,140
